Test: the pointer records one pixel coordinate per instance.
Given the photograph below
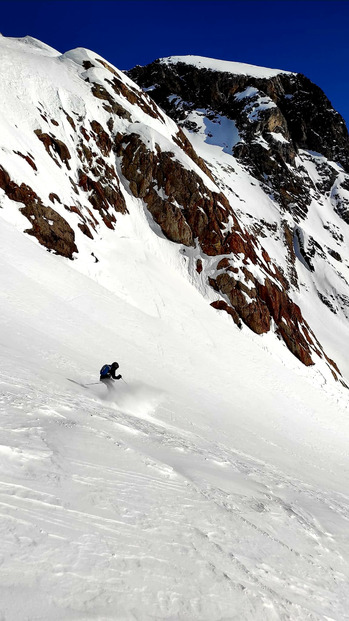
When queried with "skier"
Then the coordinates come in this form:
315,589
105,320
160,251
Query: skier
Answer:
107,374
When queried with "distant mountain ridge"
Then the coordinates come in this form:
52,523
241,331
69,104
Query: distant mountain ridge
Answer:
233,177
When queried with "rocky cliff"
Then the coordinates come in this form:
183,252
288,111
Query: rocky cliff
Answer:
277,114
282,131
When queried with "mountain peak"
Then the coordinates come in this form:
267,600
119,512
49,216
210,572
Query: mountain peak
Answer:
26,44
223,66
281,130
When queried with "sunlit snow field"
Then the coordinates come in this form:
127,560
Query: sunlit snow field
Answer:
213,484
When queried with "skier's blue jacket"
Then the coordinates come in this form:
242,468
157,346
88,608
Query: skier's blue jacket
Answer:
105,370
108,371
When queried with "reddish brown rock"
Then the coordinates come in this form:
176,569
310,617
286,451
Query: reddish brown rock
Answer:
102,139
182,141
53,145
87,64
199,266
49,228
187,210
54,197
27,158
86,231
176,196
221,305
85,133
265,256
86,222
295,344
103,197
101,93
69,119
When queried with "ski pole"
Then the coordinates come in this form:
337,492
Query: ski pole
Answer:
123,380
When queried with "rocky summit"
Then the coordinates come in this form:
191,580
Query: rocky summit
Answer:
246,169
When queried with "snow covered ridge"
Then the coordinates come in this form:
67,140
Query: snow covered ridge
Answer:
223,66
83,146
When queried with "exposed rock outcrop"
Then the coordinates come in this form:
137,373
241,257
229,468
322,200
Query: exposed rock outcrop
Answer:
296,146
49,228
275,117
54,146
189,213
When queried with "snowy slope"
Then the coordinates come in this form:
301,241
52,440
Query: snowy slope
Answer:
213,483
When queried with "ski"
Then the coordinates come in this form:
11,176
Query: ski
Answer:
78,383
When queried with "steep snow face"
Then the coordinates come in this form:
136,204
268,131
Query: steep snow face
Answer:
49,93
213,481
223,66
60,115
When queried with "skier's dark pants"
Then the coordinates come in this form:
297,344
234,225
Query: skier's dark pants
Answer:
108,382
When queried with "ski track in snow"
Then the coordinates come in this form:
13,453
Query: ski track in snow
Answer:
140,511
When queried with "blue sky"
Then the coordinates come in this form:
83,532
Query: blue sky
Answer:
309,36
